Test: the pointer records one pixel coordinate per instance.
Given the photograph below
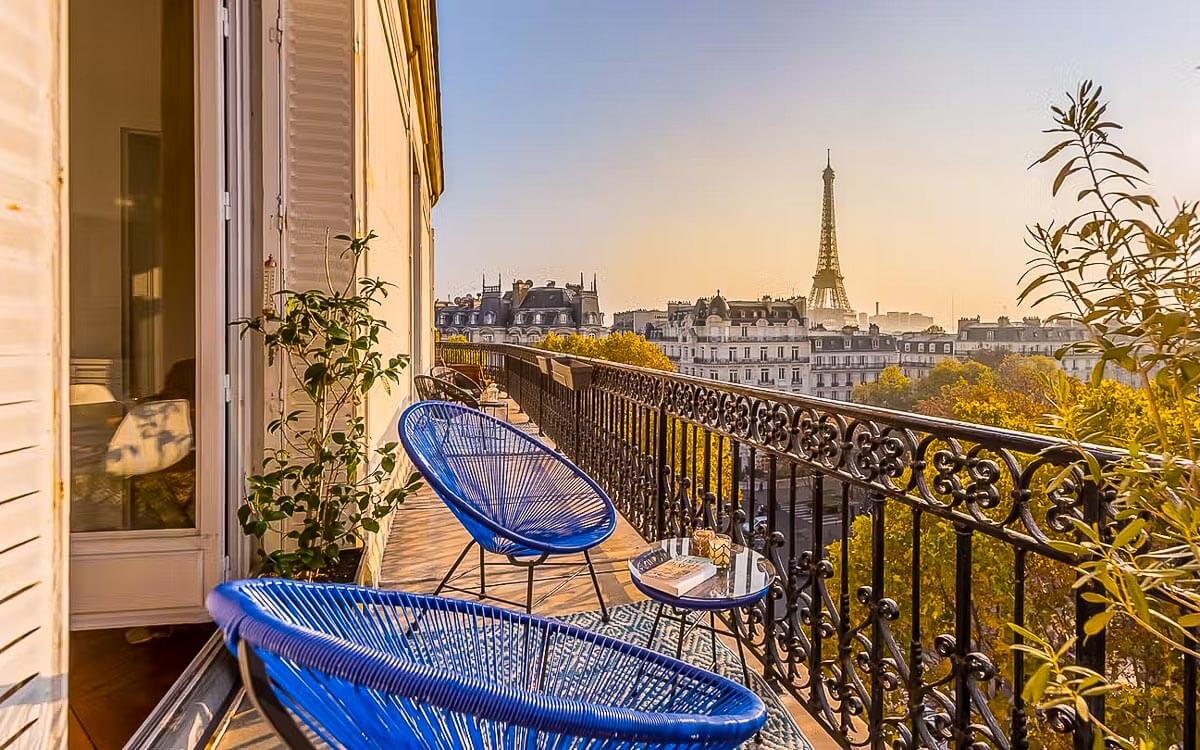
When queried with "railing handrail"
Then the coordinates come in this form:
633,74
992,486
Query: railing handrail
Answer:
679,451
1023,442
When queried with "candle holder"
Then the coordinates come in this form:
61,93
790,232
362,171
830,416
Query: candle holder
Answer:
700,541
720,550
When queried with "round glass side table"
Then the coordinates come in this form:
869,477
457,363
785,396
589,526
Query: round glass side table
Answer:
745,582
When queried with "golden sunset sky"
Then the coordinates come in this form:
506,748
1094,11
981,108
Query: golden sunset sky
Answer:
674,148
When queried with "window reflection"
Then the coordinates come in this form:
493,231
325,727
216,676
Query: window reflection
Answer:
132,233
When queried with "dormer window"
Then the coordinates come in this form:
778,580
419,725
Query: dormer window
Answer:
489,318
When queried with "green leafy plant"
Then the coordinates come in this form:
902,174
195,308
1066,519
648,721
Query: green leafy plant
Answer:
1128,269
322,486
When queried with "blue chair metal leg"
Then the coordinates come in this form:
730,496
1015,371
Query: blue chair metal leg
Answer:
587,555
454,567
482,575
262,695
529,592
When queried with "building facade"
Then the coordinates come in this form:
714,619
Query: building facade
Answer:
1029,336
174,171
759,342
843,359
920,352
641,321
523,314
769,343
897,322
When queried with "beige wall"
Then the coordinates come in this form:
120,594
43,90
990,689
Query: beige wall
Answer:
348,147
395,206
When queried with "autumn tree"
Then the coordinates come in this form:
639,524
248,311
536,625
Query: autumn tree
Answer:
893,390
625,348
1126,268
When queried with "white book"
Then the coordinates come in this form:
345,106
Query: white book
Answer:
679,575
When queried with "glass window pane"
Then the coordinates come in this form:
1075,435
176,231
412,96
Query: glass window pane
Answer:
132,235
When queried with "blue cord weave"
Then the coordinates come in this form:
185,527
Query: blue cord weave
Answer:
512,493
365,668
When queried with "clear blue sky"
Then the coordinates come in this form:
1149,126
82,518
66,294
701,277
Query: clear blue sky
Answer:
674,148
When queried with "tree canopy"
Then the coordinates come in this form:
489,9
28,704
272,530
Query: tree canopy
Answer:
625,348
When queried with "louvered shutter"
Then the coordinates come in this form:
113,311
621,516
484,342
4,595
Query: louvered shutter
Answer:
32,545
318,153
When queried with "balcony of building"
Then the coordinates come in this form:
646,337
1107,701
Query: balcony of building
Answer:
904,545
425,539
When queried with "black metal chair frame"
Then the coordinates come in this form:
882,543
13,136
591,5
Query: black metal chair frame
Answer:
529,564
431,388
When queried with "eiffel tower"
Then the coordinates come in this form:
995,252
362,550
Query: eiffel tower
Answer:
828,291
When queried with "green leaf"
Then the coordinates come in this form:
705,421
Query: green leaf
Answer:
1097,622
1035,687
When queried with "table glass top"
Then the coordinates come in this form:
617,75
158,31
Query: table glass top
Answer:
748,574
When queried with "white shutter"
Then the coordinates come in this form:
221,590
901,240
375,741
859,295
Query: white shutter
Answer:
318,116
32,542
316,113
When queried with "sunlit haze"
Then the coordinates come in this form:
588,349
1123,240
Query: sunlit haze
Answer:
674,148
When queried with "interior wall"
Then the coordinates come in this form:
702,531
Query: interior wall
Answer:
116,81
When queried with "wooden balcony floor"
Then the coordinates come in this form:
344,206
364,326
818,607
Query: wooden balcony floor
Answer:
424,542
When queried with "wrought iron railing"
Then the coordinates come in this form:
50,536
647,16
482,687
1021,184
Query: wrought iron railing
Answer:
906,544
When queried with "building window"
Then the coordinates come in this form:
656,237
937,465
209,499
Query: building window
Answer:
795,374
764,376
745,333
818,343
749,374
733,376
733,354
847,343
713,375
907,347
820,381
762,354
795,352
746,351
782,373
946,347
781,352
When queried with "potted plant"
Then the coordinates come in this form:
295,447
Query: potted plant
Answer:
323,486
543,361
572,373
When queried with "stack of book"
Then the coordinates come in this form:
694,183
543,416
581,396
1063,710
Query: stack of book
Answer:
679,575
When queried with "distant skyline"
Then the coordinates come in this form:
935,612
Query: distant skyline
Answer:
673,148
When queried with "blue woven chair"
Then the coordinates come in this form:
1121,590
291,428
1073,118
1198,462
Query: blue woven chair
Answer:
364,668
514,495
